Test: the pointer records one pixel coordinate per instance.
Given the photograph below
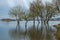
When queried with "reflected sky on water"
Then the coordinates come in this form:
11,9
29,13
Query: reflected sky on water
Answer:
7,28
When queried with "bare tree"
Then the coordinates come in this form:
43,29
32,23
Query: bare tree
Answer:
46,12
35,11
17,12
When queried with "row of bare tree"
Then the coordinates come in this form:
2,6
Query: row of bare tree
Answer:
37,10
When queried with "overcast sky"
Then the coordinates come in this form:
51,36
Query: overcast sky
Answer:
5,5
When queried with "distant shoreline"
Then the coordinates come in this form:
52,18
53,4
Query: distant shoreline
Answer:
28,20
7,19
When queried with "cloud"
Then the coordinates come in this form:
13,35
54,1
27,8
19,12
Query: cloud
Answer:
3,3
12,3
6,4
44,1
22,3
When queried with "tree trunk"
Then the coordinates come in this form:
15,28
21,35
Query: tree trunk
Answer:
44,26
46,32
38,23
33,23
50,34
18,26
26,26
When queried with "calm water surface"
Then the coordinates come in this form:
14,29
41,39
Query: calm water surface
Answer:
6,29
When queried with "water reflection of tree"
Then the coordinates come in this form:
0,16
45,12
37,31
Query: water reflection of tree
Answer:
34,34
18,28
17,36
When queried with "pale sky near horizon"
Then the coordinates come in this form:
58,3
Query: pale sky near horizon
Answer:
5,5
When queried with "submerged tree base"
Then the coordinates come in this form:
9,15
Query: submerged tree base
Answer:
33,34
37,35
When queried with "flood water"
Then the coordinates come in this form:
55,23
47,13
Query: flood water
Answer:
7,28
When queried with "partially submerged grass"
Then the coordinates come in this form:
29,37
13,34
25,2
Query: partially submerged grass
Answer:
58,31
